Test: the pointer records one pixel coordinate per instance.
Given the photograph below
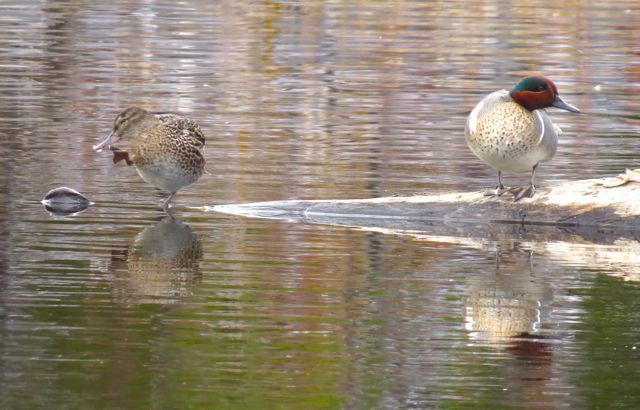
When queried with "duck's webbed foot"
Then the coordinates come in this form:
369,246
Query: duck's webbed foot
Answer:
498,191
166,204
119,155
525,192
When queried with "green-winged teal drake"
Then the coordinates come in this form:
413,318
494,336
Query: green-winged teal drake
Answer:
511,131
166,149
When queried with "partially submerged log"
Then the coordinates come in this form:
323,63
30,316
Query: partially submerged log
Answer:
598,209
592,222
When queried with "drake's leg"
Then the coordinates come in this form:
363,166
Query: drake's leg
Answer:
530,190
500,188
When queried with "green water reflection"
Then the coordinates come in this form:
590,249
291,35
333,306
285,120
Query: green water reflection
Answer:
609,345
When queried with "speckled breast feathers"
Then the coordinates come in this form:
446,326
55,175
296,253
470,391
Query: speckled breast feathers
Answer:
507,136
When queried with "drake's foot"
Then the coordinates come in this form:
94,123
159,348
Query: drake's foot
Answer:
526,192
498,191
119,155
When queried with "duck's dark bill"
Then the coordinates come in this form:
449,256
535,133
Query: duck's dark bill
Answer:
560,103
106,141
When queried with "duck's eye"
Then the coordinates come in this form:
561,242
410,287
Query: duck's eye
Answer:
541,88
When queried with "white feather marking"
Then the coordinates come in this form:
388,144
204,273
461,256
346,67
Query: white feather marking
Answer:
541,126
473,118
557,129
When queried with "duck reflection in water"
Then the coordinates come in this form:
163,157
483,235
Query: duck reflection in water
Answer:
510,303
508,309
162,264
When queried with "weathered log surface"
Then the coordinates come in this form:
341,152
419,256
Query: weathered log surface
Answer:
578,223
587,208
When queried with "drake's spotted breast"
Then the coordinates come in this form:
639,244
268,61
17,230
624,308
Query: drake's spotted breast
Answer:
508,129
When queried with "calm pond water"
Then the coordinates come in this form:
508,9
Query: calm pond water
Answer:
123,307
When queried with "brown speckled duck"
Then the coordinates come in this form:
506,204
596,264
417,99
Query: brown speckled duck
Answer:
166,149
511,131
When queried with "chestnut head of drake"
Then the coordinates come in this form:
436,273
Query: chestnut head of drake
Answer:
538,92
129,124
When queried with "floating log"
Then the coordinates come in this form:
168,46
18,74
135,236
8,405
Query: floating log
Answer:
592,222
598,209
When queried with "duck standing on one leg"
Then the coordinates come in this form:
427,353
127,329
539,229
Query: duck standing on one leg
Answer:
511,131
166,149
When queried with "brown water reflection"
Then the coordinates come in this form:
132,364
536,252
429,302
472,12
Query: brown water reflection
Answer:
321,99
162,264
510,304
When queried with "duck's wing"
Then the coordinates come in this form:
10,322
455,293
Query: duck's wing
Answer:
190,130
548,132
183,127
